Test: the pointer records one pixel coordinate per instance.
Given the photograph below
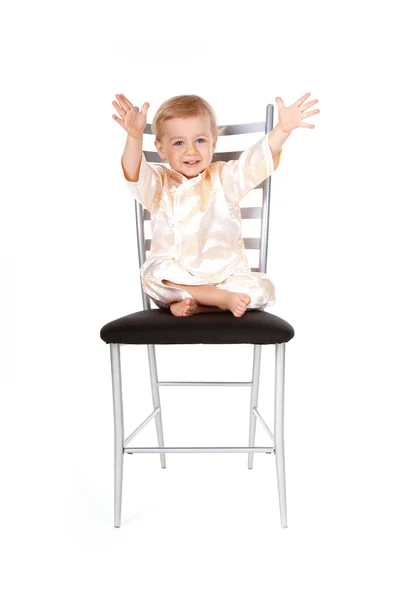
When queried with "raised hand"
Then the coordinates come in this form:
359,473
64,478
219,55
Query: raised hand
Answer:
132,121
290,117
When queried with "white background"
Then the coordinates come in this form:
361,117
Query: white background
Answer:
205,527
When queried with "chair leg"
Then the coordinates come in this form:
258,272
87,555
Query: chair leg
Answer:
278,429
118,430
254,400
156,399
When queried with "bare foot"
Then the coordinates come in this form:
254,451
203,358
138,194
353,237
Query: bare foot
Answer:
184,308
236,302
189,306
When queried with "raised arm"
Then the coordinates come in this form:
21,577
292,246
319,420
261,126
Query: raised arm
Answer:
144,181
132,158
251,168
260,160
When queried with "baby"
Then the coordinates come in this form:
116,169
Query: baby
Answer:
197,261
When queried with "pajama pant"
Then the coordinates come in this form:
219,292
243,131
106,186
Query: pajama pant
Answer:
260,289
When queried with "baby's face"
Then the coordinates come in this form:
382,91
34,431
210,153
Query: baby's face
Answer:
187,140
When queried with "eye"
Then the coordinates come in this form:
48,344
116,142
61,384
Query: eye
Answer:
180,142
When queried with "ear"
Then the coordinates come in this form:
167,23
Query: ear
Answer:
159,149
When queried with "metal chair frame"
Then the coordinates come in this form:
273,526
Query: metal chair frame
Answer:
121,444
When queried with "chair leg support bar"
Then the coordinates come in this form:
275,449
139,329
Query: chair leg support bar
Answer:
118,430
278,429
263,423
182,449
141,426
254,400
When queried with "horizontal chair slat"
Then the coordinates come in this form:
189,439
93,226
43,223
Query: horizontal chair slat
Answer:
248,212
249,243
153,157
230,129
251,212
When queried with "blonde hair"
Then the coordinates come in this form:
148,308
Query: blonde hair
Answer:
183,107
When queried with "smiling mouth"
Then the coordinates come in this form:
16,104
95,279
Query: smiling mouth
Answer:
192,164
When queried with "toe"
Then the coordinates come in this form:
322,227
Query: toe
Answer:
189,306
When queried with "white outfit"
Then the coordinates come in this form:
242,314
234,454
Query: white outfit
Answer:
196,226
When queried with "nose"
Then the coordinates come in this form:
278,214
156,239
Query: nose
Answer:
191,150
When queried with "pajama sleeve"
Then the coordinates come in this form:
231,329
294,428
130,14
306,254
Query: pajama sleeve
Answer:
147,190
251,168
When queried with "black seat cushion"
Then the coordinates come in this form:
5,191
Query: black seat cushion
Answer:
159,326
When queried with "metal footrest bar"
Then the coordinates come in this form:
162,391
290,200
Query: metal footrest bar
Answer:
263,423
157,450
217,383
136,431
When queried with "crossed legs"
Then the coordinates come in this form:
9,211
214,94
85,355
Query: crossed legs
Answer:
208,299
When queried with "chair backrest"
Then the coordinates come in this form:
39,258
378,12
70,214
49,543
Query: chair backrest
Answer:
260,213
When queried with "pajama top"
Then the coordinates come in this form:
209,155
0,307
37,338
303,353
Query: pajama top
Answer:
197,221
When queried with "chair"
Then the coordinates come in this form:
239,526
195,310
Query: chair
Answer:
159,326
